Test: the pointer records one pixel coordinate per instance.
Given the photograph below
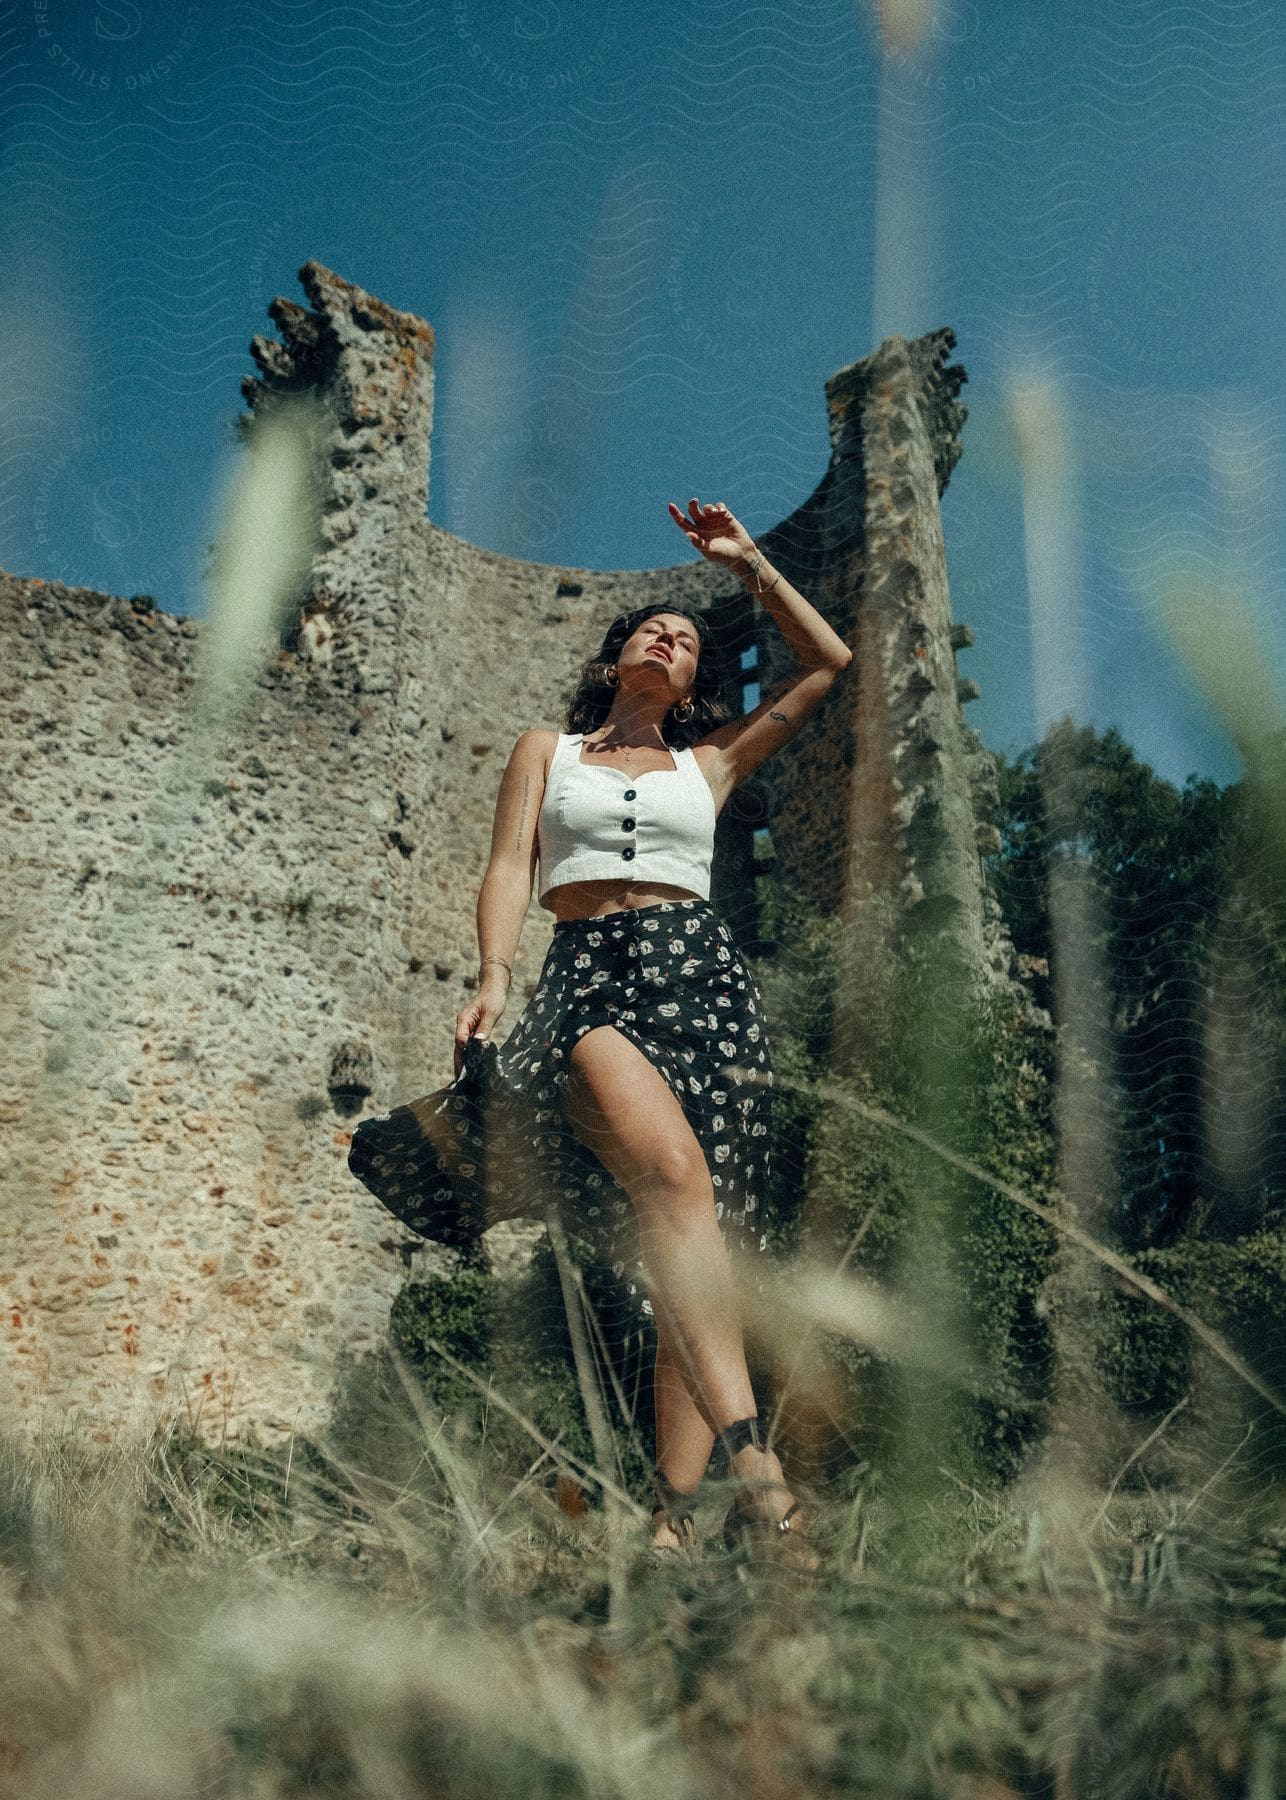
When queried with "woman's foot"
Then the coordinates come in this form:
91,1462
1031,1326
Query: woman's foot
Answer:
764,1510
669,1533
673,1527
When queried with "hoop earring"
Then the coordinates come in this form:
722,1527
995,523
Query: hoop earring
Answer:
681,716
612,675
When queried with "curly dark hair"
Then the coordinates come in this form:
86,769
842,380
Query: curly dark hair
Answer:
592,700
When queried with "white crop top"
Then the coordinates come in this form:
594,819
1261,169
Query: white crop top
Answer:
597,824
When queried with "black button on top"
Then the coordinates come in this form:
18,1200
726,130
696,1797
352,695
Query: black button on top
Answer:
627,854
627,825
630,794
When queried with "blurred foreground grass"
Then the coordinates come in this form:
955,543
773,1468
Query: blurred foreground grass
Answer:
186,1620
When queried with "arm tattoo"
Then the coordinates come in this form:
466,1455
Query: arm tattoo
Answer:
522,813
782,687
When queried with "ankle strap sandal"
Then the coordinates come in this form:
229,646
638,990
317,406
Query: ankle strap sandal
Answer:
744,1521
678,1515
742,1432
741,1523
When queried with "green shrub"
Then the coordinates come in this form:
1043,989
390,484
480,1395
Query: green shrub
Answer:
1238,1288
514,1337
456,1312
973,1070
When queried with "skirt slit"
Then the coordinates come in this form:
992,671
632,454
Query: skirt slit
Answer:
670,978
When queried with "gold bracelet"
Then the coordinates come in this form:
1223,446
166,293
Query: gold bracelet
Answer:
496,959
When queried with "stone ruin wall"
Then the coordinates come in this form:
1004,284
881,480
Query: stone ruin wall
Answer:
208,985
182,1227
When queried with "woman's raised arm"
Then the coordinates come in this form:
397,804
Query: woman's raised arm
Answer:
820,653
721,538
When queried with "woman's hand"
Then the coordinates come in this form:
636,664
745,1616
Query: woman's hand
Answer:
713,531
477,1019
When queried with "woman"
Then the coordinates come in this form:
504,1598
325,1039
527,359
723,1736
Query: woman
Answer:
645,1019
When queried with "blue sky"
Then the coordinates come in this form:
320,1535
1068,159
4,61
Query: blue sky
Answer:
645,238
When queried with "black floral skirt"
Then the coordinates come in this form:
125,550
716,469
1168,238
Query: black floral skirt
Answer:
670,978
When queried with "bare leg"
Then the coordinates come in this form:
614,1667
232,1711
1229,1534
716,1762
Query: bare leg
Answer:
622,1108
683,1438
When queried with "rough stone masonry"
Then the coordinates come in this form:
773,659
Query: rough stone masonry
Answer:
208,983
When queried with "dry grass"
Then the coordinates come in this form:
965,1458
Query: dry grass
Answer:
186,1621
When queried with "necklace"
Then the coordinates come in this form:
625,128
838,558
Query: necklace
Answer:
626,754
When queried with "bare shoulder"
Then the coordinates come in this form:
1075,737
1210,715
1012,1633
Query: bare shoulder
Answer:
535,746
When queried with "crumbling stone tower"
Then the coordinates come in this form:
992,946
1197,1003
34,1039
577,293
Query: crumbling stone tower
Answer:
205,995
